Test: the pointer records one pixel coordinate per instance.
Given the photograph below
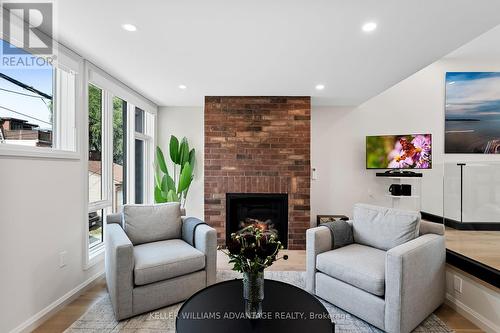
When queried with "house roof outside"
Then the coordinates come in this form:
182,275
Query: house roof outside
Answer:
17,120
95,168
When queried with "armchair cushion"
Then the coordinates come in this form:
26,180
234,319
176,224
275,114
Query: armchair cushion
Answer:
151,223
358,265
384,228
164,260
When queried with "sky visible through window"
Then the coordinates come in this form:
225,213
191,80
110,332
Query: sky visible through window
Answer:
16,102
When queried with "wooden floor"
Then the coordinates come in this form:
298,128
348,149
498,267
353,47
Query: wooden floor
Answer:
483,246
296,262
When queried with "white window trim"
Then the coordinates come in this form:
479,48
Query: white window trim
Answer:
37,152
95,256
149,155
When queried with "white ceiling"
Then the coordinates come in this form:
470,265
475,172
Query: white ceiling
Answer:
482,50
281,47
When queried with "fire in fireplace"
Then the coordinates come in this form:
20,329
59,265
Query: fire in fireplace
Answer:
268,211
266,225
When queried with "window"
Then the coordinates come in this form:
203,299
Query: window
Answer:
119,153
139,171
96,172
95,228
106,159
139,120
26,109
95,144
144,124
37,107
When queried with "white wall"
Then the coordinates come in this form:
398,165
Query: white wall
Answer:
477,301
188,122
41,211
415,105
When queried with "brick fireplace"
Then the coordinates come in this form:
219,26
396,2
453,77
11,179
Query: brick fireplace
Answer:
258,145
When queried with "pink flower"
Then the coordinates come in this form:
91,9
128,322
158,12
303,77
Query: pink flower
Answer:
423,157
401,164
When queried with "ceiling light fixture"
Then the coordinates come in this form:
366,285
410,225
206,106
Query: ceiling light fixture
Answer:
320,87
129,27
369,26
181,86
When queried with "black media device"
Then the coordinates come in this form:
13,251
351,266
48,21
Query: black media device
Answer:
395,189
406,190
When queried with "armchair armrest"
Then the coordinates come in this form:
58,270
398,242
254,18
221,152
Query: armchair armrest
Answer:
205,240
415,281
318,240
431,228
114,218
119,259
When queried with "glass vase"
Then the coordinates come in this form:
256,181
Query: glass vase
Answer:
253,294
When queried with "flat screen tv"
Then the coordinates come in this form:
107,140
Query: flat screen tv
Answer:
409,151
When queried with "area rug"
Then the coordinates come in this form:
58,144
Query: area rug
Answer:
100,318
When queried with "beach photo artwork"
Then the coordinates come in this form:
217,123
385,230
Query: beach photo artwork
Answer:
472,113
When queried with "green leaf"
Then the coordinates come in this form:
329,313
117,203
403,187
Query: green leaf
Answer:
161,160
167,184
185,178
185,193
172,196
157,179
183,153
158,196
174,149
192,156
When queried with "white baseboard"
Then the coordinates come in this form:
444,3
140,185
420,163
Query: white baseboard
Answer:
482,322
40,317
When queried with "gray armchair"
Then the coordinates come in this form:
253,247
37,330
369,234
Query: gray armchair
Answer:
154,258
392,275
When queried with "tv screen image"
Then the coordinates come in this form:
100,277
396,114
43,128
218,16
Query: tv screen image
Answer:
412,151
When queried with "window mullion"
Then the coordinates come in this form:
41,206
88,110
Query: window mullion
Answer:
107,146
130,152
98,205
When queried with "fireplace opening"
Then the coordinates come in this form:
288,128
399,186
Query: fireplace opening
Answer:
268,211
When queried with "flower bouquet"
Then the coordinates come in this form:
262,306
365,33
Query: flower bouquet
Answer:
251,250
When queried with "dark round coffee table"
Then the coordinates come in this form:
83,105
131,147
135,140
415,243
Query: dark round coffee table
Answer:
220,308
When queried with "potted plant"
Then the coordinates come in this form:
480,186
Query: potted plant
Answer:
174,187
251,250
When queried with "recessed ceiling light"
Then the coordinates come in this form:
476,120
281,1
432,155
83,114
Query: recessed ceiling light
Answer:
320,87
181,86
129,27
369,26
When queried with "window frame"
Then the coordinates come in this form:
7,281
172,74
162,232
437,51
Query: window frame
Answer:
113,88
69,61
106,172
